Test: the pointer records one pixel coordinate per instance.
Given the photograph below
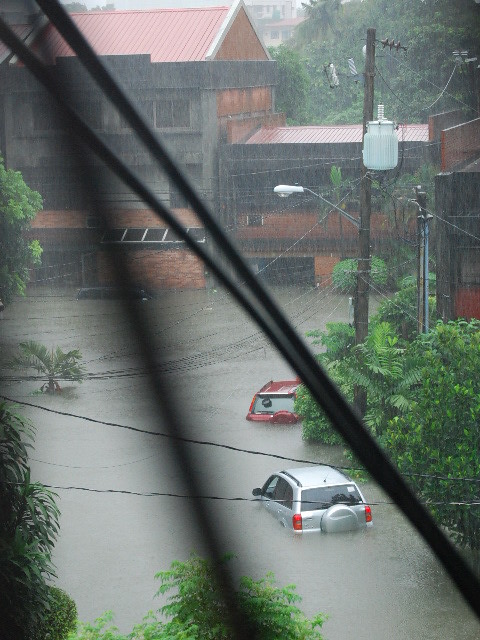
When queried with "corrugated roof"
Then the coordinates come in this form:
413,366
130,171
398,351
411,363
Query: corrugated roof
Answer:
330,134
167,35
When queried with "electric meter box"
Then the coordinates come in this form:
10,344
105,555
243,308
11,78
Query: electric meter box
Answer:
380,145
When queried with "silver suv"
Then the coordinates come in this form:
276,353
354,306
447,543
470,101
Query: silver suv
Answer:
320,498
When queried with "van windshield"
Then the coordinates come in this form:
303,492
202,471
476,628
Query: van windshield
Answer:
324,497
267,404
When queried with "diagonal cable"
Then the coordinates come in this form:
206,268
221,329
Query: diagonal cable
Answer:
260,305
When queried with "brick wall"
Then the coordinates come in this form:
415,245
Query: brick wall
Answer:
445,120
68,219
156,270
323,268
460,144
294,225
244,101
240,130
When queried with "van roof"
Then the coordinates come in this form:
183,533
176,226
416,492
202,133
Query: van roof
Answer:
316,476
280,387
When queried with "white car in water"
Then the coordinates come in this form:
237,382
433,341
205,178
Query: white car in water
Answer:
320,498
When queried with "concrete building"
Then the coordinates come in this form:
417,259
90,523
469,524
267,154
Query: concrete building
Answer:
302,235
201,77
457,211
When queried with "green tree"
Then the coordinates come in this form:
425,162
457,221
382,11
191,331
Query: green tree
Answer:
344,274
75,7
379,366
198,603
408,83
321,20
438,439
293,82
53,363
60,619
28,530
18,206
197,609
400,310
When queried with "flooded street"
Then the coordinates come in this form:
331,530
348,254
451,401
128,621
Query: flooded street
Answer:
378,584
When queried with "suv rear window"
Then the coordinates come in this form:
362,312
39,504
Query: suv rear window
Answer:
324,497
272,404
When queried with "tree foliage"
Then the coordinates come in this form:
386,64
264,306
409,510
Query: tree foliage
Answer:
400,310
28,529
18,206
197,609
344,274
440,434
60,619
379,365
406,82
293,84
52,363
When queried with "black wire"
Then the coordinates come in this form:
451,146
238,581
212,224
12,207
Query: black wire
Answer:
156,494
210,443
260,305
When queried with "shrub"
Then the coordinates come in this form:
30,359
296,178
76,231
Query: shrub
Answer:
344,274
61,618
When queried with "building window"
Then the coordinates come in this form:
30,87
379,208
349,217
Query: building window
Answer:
274,35
254,220
173,113
177,199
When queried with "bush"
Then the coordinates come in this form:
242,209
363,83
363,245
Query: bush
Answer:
316,427
60,620
344,274
400,311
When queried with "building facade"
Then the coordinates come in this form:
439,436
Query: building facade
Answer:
210,81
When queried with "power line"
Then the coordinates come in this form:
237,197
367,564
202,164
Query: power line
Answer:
214,444
165,494
267,314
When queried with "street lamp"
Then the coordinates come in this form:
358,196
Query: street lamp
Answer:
285,190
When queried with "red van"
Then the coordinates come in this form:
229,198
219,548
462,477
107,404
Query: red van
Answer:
275,403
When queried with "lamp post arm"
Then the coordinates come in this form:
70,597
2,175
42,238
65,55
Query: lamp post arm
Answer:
344,213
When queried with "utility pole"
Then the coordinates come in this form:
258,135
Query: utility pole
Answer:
364,259
423,221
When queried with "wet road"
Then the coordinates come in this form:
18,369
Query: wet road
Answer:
379,584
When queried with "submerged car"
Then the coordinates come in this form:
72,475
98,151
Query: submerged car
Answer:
315,499
275,403
112,293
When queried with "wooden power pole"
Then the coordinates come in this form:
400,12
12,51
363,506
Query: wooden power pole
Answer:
364,260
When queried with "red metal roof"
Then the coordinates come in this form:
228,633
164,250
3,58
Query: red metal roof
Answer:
330,134
167,35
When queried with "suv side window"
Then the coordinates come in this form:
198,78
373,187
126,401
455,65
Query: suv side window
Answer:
283,493
269,487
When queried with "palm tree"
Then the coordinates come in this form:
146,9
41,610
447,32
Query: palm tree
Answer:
321,16
52,363
386,373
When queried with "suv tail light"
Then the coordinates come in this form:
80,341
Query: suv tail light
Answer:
297,522
252,403
368,513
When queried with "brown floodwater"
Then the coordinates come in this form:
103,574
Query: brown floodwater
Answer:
378,584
